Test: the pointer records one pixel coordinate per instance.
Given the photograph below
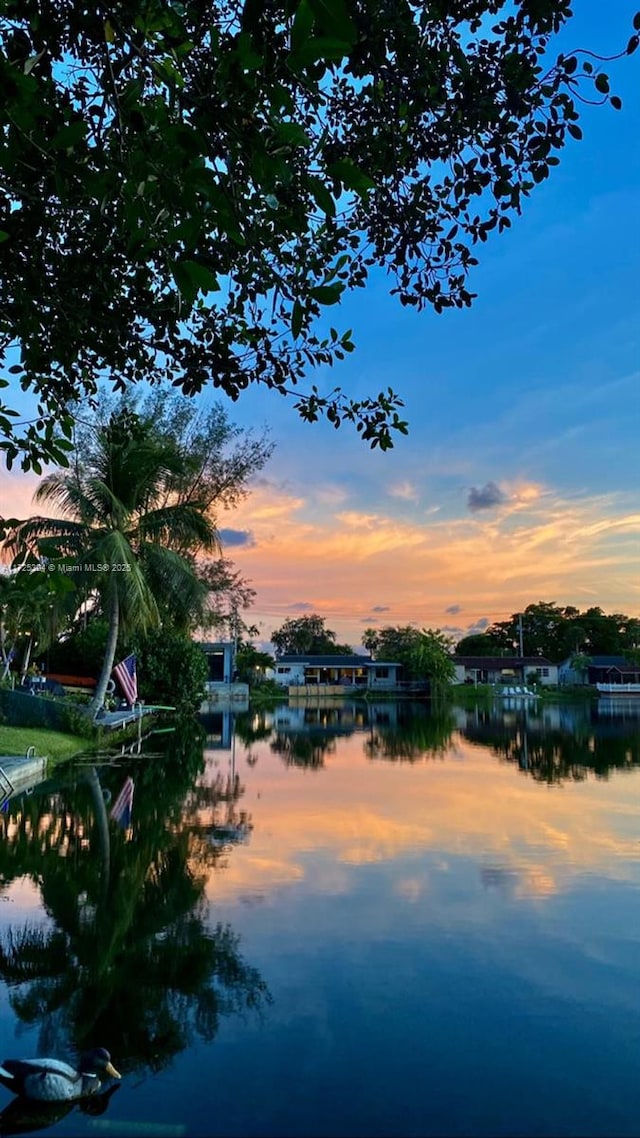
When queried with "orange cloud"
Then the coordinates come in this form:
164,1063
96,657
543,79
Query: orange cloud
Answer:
311,544
537,545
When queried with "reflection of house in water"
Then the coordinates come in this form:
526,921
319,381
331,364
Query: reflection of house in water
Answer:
610,708
304,734
225,788
219,728
552,716
557,742
339,718
231,832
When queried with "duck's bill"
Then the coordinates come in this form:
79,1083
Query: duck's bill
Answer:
110,1069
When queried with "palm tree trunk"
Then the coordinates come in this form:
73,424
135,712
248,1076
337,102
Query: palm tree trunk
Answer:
109,656
5,653
26,659
102,823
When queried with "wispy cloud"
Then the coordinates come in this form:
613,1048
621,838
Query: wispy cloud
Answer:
405,490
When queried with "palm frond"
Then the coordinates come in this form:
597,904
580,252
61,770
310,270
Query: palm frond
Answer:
65,491
126,578
106,504
65,537
181,526
172,577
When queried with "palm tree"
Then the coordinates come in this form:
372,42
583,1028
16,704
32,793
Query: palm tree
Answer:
127,531
34,607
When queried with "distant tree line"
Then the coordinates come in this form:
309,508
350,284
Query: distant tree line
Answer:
543,629
557,633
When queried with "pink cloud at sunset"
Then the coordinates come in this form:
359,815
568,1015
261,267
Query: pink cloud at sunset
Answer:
535,545
320,550
16,494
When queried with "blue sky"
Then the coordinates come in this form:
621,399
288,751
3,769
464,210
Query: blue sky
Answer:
520,476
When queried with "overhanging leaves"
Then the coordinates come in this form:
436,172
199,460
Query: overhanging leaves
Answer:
179,183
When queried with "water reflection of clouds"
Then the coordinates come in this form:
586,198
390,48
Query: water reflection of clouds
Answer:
530,881
412,889
361,814
23,894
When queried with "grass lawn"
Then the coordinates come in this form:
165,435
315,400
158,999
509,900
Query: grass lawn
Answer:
55,744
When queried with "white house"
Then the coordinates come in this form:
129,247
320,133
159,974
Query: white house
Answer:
505,670
340,671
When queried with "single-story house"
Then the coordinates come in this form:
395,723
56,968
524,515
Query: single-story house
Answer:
600,670
504,670
295,670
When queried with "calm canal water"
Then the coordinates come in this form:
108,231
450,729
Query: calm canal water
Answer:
337,921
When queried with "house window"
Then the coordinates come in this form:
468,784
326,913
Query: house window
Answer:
542,671
283,671
382,673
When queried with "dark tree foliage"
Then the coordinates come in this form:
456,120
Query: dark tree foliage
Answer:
479,644
595,748
172,669
558,632
424,653
308,634
186,187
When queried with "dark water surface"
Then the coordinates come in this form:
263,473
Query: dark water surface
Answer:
337,921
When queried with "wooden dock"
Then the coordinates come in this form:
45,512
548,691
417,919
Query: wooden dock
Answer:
21,772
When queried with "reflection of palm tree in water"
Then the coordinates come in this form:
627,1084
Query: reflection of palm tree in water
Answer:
215,801
130,959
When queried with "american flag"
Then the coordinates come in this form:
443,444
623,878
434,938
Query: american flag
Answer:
123,805
125,673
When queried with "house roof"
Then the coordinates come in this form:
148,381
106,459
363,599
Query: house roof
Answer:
503,661
329,661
